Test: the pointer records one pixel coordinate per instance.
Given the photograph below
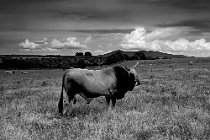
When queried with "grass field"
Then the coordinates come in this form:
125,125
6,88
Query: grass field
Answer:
172,102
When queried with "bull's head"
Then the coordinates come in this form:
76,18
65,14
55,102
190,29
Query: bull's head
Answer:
134,80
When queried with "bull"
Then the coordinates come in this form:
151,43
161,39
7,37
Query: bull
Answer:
111,82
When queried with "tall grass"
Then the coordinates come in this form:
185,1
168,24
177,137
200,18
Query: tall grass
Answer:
169,104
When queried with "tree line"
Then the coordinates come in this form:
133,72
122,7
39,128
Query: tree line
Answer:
80,60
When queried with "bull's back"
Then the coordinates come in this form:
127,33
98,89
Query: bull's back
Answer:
93,82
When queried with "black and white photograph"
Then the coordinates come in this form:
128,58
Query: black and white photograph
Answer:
105,69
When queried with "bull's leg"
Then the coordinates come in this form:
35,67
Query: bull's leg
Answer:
71,97
107,100
112,97
113,102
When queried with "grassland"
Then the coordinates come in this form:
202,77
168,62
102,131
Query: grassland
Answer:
172,102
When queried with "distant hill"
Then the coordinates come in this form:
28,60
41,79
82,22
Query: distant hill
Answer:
148,54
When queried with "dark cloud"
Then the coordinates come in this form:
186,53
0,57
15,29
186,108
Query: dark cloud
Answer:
98,16
189,4
199,25
109,10
9,2
91,10
29,12
105,31
186,4
90,14
108,5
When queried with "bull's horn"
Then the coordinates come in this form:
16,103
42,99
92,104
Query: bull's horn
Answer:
135,65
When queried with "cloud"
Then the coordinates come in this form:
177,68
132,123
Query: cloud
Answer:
100,52
70,43
104,31
96,52
46,49
27,44
88,39
55,45
199,25
43,41
159,33
186,4
36,46
160,40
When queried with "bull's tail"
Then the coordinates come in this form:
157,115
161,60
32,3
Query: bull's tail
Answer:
60,104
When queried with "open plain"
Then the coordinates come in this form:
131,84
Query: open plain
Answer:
172,102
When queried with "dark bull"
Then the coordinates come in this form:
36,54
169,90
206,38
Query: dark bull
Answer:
112,82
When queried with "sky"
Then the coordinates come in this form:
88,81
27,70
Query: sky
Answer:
64,27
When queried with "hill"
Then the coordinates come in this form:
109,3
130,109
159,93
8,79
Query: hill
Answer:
148,54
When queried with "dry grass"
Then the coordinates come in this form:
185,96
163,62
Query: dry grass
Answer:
172,102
